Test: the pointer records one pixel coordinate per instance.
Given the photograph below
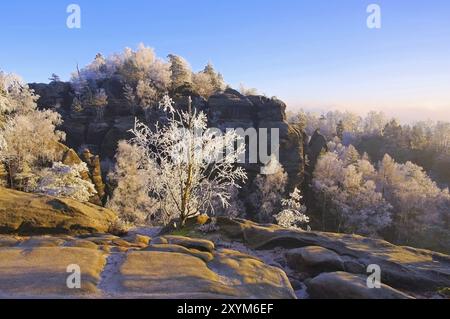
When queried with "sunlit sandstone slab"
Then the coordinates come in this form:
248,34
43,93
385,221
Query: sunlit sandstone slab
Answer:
43,272
176,275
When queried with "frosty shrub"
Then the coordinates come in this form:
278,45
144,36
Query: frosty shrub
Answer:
65,181
293,213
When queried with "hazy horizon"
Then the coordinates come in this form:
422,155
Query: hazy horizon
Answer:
316,55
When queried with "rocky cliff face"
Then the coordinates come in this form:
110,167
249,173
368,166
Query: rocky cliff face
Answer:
228,109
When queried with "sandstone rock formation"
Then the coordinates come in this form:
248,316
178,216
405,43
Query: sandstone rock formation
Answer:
406,269
228,109
114,267
342,285
23,213
93,163
241,260
314,259
231,109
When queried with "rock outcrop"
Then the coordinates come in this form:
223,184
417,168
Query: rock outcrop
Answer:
241,260
93,163
23,213
69,157
314,260
120,268
406,269
228,109
231,109
342,285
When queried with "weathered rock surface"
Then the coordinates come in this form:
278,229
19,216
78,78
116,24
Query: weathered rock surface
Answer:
314,259
42,272
115,267
205,256
199,244
342,285
231,109
403,268
23,213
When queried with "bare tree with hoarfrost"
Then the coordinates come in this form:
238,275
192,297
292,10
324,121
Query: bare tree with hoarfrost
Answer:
268,190
131,177
189,165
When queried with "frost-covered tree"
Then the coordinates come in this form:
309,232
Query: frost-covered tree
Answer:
374,123
247,91
15,96
147,97
181,71
130,176
99,102
418,201
144,65
351,155
65,181
208,81
203,85
293,213
29,141
348,197
216,78
187,164
267,191
130,97
235,209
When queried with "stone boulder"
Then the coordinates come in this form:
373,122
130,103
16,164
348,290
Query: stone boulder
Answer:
403,268
195,243
314,259
342,285
24,213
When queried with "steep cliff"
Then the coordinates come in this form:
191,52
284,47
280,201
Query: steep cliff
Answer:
228,109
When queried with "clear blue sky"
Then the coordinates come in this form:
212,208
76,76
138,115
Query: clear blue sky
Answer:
312,53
